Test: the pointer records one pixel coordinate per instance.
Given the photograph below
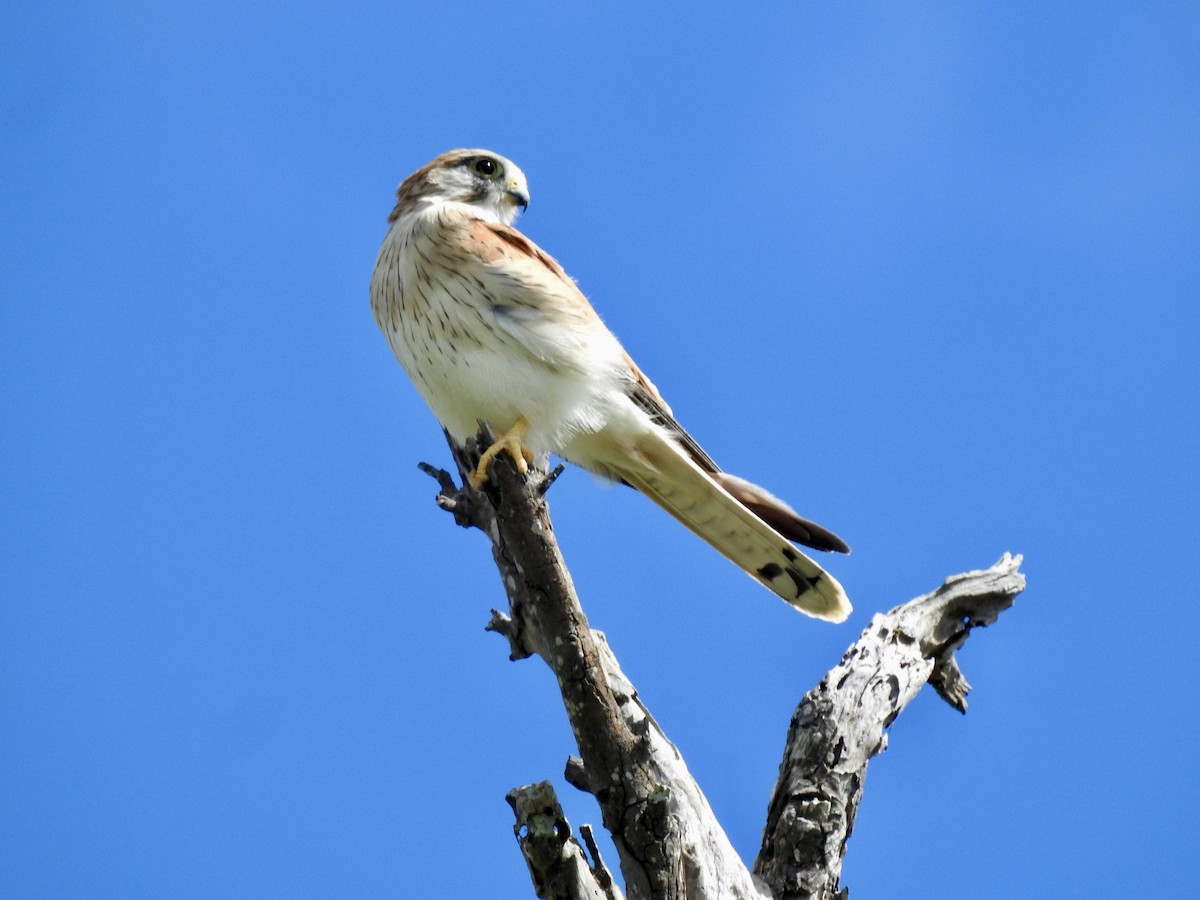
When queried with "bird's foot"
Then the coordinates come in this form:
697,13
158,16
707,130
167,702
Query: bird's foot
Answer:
510,441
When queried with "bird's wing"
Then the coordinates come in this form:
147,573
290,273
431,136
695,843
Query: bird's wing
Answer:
647,398
537,297
758,500
536,303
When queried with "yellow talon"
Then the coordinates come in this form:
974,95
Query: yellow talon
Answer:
510,441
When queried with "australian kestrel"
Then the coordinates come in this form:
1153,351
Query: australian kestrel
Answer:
488,326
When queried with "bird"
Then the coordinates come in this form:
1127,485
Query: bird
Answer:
489,327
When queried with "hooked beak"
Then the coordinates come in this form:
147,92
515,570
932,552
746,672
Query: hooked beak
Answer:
518,195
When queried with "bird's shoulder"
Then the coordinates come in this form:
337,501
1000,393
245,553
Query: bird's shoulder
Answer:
457,234
501,255
495,242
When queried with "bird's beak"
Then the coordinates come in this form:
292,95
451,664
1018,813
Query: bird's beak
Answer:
518,195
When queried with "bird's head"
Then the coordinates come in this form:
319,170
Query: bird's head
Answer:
482,179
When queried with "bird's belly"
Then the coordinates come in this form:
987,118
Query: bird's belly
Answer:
465,382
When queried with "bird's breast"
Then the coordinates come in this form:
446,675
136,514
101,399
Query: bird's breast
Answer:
444,326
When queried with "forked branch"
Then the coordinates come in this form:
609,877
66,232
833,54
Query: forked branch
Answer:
669,842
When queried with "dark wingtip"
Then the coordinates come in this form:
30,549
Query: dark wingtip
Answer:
780,516
802,531
823,539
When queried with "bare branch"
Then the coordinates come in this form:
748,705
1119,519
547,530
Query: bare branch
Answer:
557,864
840,724
668,840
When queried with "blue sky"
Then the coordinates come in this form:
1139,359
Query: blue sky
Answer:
928,271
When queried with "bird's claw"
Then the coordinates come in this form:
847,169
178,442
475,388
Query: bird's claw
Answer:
509,441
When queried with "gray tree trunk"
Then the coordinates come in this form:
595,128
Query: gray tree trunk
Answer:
669,843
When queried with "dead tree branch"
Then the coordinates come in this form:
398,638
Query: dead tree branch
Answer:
557,862
841,723
669,842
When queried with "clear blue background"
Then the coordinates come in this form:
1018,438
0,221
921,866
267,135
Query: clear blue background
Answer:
928,270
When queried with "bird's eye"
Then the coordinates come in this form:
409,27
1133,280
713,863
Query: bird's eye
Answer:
486,168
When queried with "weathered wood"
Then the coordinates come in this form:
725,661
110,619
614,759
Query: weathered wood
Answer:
557,862
841,723
669,842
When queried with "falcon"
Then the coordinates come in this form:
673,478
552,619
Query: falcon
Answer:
489,327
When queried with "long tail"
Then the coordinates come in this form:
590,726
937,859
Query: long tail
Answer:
732,515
